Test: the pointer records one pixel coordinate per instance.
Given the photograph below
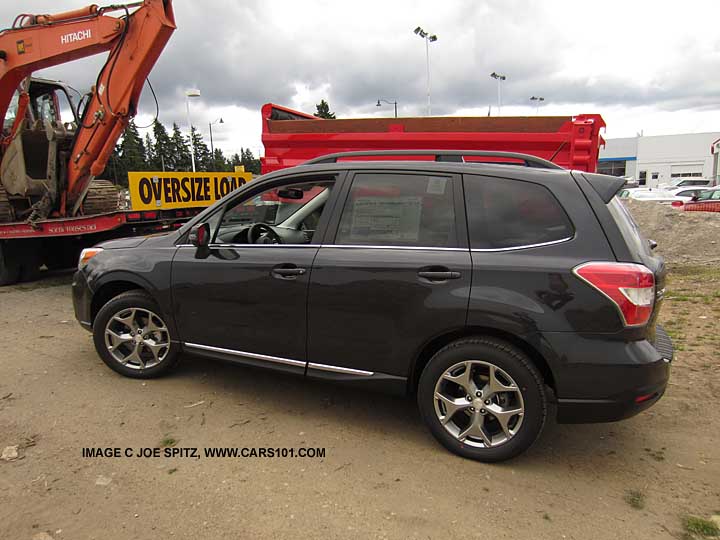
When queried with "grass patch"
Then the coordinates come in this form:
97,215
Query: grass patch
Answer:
698,525
168,441
635,498
173,470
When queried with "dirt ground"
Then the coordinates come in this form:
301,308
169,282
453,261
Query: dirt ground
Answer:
383,476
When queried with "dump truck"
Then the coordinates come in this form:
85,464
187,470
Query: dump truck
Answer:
292,137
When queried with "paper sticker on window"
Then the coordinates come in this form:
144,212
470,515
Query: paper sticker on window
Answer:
394,219
436,185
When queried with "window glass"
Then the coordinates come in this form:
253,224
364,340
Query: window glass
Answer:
399,210
292,212
504,213
614,168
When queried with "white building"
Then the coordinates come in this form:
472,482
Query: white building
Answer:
655,160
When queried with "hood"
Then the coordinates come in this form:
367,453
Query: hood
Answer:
120,243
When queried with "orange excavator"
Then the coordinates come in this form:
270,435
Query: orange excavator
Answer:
51,152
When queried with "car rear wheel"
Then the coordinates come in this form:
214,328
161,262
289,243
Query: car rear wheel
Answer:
483,399
132,337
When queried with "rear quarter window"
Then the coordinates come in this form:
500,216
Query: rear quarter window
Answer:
629,230
504,213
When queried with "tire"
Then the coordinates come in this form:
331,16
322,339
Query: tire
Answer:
453,419
9,267
148,355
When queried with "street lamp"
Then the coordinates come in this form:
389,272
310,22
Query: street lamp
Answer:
429,38
499,78
192,92
394,103
537,100
210,125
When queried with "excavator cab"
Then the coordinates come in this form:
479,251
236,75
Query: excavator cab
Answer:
35,156
31,168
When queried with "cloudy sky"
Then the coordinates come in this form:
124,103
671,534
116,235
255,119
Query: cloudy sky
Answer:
650,66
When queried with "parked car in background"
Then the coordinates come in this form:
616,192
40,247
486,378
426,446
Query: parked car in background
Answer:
687,182
686,193
653,195
707,201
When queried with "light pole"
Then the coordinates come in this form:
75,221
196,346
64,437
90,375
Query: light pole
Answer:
192,92
394,103
210,125
429,38
499,78
537,100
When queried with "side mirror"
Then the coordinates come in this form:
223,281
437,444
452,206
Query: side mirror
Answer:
200,235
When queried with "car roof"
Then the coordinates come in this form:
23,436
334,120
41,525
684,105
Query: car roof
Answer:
478,167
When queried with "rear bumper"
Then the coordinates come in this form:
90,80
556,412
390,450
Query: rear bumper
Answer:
619,380
82,300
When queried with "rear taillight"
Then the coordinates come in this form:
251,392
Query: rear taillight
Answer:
631,287
677,204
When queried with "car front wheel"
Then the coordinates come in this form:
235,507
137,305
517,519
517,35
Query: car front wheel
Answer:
132,337
483,399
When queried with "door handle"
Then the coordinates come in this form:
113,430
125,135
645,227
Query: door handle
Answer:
288,271
438,275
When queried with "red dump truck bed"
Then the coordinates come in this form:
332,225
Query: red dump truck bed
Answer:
292,137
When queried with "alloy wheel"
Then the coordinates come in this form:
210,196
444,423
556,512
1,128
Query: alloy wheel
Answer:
137,338
479,404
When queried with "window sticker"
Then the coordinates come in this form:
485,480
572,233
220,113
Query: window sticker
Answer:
394,219
436,185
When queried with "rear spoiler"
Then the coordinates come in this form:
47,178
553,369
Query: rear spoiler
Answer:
604,185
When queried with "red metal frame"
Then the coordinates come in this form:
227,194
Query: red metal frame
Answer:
571,142
63,227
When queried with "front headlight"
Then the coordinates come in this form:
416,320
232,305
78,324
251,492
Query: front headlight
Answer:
86,255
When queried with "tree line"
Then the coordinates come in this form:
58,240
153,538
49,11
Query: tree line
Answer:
164,151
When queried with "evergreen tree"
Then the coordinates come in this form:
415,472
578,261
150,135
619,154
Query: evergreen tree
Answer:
248,160
219,163
163,149
235,160
131,154
180,149
323,110
151,161
203,159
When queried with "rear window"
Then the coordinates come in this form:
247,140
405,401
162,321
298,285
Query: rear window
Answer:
628,228
504,213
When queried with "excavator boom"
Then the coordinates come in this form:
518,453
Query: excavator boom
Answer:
135,40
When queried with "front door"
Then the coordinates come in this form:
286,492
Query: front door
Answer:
244,297
397,273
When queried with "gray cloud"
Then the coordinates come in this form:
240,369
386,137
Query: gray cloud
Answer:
246,54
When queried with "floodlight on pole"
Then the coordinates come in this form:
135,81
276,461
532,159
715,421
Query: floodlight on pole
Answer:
394,103
538,100
429,38
210,125
499,78
190,93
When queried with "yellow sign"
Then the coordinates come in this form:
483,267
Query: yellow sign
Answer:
166,190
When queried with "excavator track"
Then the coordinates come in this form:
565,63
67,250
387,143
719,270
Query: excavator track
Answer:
101,198
6,211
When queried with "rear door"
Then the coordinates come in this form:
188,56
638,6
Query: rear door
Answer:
394,274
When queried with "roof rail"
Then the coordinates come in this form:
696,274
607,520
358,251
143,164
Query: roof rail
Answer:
441,155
